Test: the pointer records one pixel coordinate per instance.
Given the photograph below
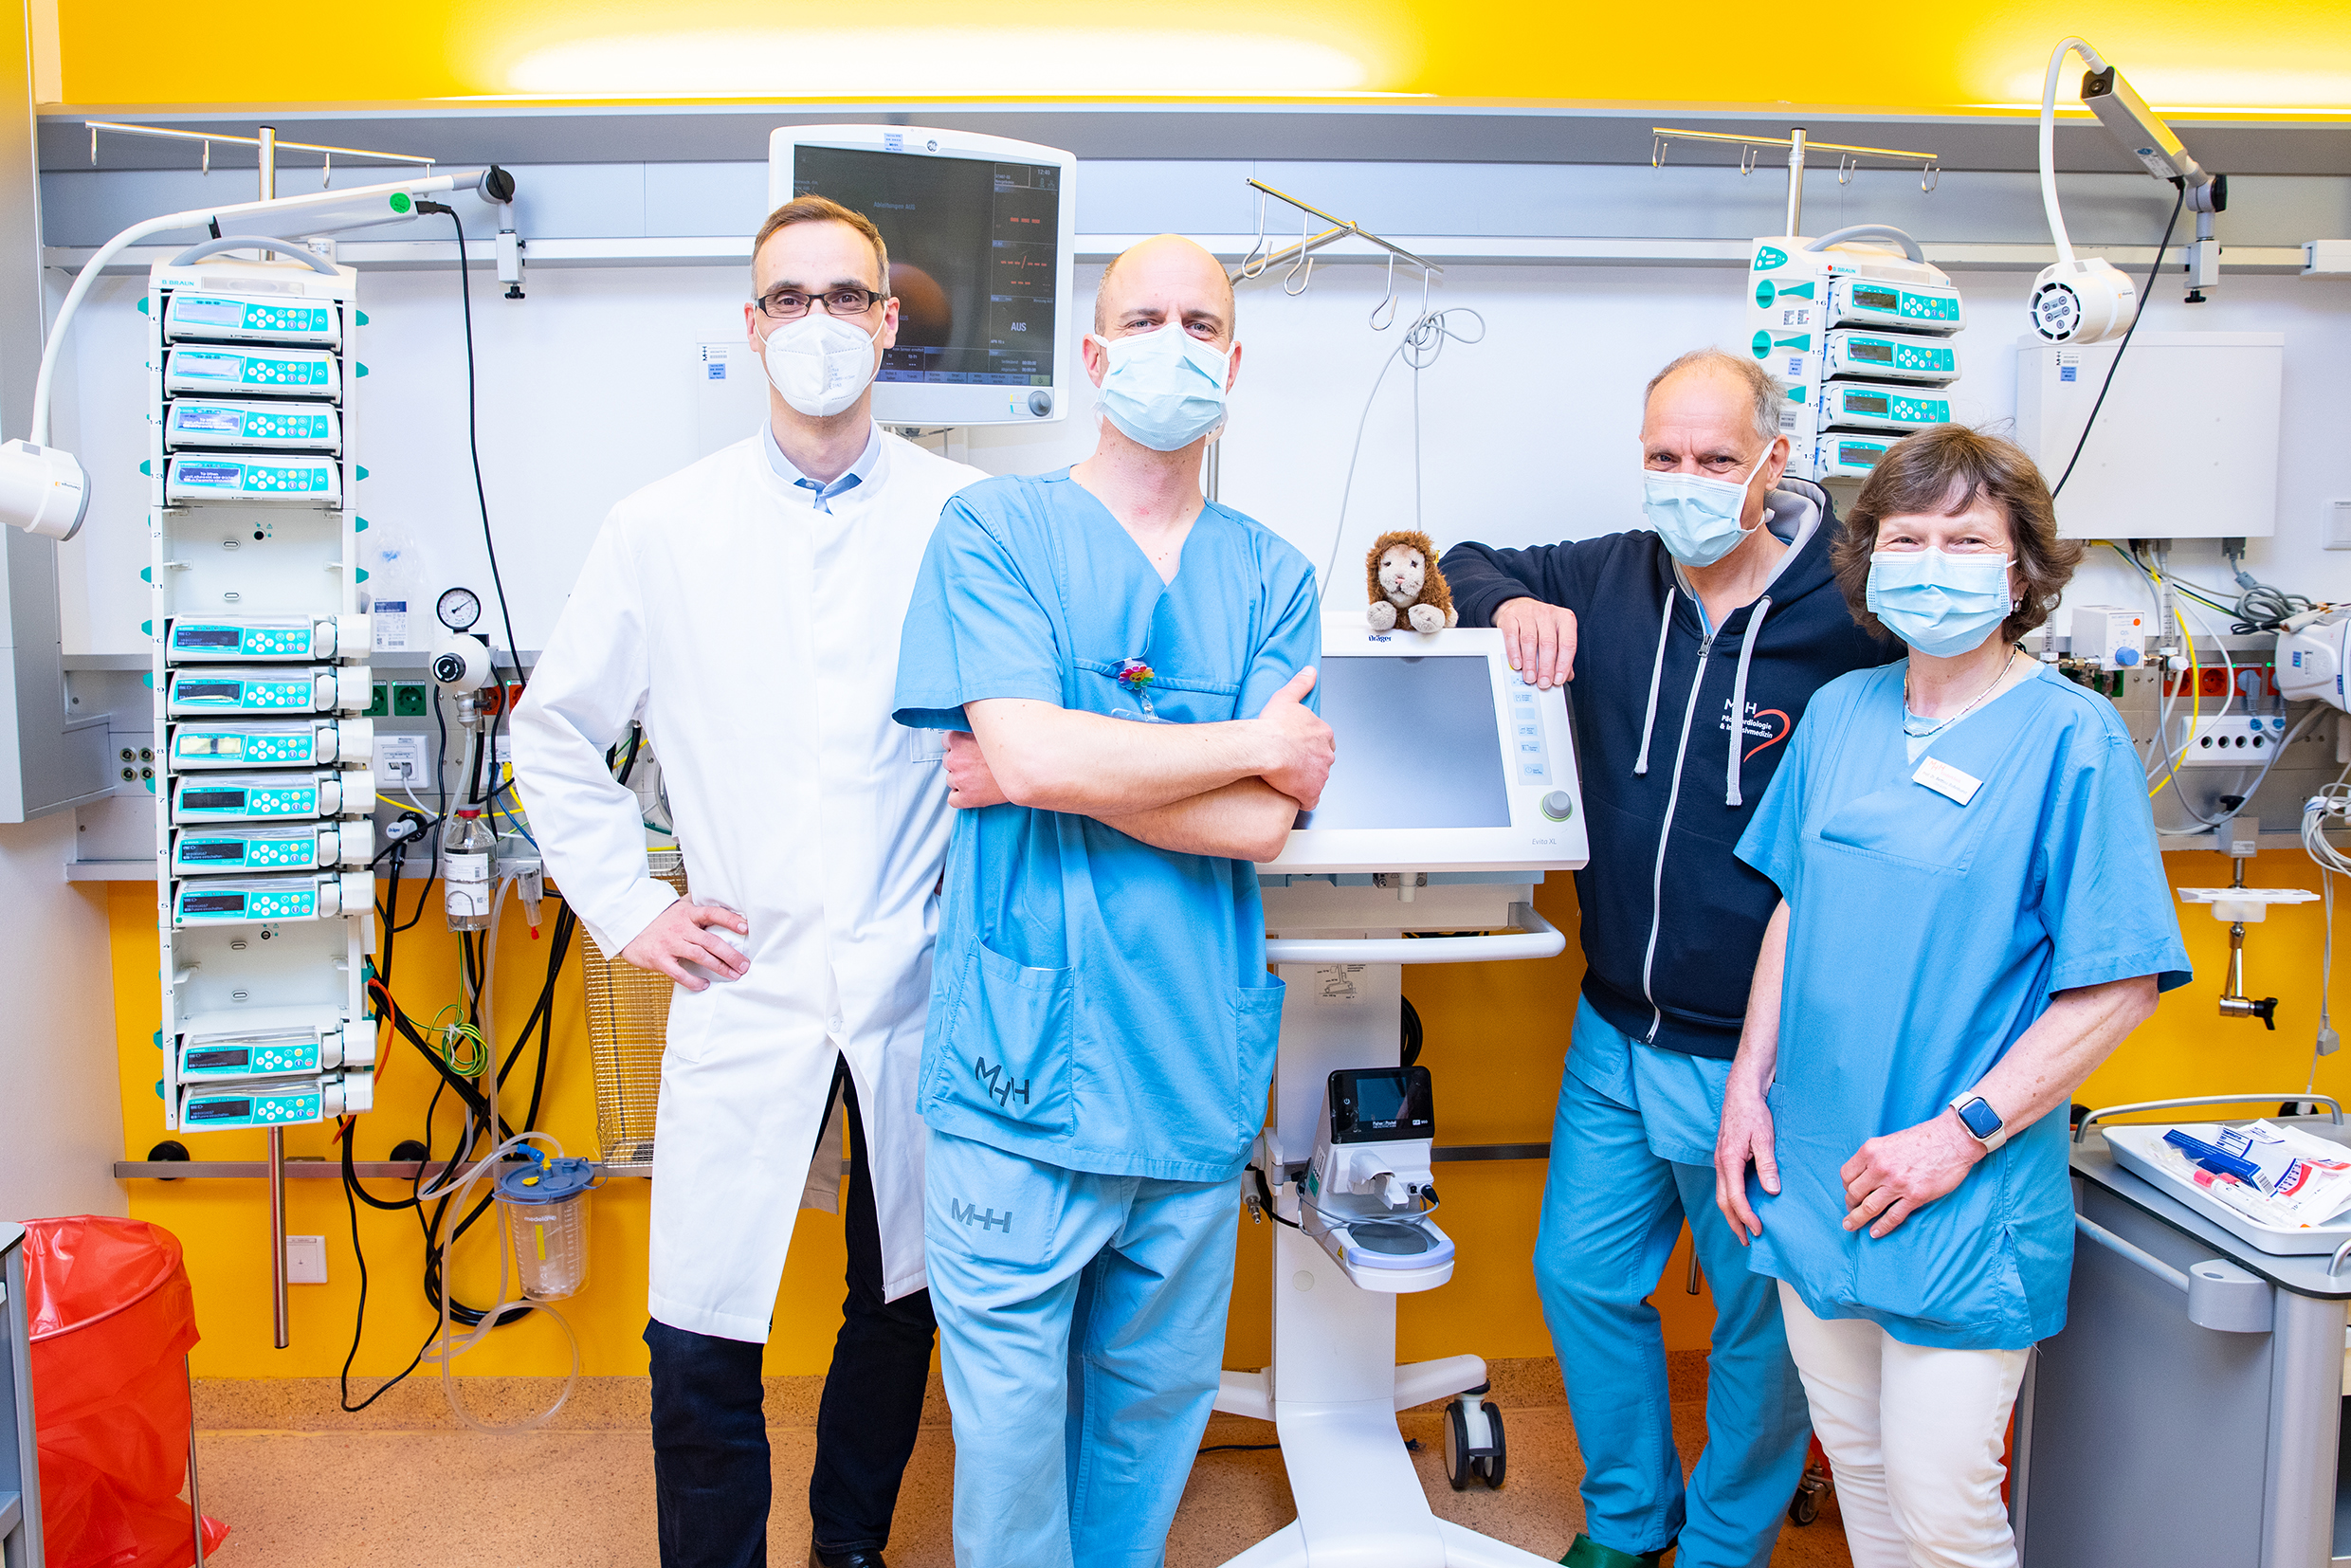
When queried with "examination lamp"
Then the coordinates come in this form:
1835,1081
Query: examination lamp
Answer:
2087,300
43,490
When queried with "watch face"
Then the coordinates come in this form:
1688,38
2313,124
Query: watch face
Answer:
1979,1117
459,609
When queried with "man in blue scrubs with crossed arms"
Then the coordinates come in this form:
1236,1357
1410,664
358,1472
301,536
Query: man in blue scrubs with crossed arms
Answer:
1133,665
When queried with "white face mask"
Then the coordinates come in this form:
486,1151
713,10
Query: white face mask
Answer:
1698,516
820,363
1164,388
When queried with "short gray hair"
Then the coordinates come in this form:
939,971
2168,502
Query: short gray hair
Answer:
1766,392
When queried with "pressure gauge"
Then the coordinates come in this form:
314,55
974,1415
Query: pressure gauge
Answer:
459,609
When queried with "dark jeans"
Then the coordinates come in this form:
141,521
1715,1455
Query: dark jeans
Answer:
710,1452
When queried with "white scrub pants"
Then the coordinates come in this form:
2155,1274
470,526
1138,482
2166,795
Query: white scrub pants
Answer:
1914,1436
1080,1336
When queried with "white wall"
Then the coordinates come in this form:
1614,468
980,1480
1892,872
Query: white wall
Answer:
590,389
61,1116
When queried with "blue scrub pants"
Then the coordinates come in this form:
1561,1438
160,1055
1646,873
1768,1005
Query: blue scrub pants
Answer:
1613,1209
1081,1330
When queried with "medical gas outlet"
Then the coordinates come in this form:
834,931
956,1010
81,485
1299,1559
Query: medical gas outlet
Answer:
1368,1192
1856,328
265,832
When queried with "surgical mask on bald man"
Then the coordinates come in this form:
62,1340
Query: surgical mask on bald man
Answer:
1164,388
1697,517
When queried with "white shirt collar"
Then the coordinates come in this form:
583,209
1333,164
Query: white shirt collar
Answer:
820,496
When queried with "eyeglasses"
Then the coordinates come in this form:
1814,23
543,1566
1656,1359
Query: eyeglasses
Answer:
790,304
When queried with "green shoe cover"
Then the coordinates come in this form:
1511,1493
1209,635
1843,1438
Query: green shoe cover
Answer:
1588,1553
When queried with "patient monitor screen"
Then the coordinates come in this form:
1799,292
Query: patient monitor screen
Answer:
971,246
1419,745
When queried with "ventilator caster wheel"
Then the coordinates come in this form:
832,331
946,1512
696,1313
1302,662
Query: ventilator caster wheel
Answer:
1490,1468
1803,1508
1465,1457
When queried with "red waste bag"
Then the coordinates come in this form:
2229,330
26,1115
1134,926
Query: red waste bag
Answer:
113,1319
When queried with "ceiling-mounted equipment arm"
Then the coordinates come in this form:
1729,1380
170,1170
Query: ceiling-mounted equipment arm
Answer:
2087,302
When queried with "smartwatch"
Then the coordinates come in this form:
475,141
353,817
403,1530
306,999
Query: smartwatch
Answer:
1979,1119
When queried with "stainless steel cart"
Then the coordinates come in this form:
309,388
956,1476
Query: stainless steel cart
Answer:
2191,1410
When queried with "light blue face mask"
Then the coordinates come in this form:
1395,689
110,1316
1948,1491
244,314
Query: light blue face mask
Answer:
1164,390
1942,605
1697,517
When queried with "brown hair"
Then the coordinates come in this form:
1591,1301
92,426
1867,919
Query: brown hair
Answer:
1943,471
820,210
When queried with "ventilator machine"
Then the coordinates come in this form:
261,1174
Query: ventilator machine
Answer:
1445,835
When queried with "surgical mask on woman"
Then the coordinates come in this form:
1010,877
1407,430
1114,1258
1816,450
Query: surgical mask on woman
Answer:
1164,388
1943,604
820,363
1697,517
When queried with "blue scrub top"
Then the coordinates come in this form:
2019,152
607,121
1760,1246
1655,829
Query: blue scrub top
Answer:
1924,936
1096,1003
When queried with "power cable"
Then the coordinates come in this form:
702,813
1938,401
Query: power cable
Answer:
473,431
2137,315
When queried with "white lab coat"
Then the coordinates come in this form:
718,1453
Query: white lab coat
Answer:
757,639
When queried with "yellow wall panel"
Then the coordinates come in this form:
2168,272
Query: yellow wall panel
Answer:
2286,56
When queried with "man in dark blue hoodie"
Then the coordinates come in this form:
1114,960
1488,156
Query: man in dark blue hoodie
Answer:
1694,646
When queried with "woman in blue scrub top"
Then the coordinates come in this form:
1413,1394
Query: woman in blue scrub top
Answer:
1973,915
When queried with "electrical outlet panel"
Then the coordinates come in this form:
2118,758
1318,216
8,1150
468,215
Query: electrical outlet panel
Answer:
305,1260
400,764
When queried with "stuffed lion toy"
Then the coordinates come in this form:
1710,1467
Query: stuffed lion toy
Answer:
1405,584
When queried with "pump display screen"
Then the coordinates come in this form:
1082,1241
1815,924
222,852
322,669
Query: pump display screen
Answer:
1381,1105
1865,403
1877,299
1882,352
218,1110
973,245
1419,744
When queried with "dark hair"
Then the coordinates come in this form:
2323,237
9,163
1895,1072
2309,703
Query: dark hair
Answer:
1943,471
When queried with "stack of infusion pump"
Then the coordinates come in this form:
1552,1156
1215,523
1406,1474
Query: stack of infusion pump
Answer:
1858,335
260,681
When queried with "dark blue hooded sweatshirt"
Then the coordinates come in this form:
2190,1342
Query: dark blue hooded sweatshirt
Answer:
1672,919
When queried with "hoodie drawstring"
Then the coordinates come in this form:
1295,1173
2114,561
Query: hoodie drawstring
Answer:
1739,698
1656,674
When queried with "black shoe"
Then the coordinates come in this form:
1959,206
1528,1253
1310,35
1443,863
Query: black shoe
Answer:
861,1558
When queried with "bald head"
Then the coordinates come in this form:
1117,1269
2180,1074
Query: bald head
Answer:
1166,278
1737,388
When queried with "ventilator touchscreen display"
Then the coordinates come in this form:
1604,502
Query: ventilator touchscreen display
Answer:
1419,745
972,244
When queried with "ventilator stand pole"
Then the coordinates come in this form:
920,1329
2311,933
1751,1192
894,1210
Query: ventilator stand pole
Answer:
1796,179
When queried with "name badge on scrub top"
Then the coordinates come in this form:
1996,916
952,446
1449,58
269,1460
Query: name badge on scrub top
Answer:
1946,780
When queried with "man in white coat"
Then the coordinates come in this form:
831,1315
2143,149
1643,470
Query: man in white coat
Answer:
746,612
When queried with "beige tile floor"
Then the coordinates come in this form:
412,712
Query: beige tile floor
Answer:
304,1486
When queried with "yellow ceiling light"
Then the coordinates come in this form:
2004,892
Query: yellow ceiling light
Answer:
939,62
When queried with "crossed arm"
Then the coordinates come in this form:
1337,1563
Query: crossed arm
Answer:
1227,789
1892,1176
